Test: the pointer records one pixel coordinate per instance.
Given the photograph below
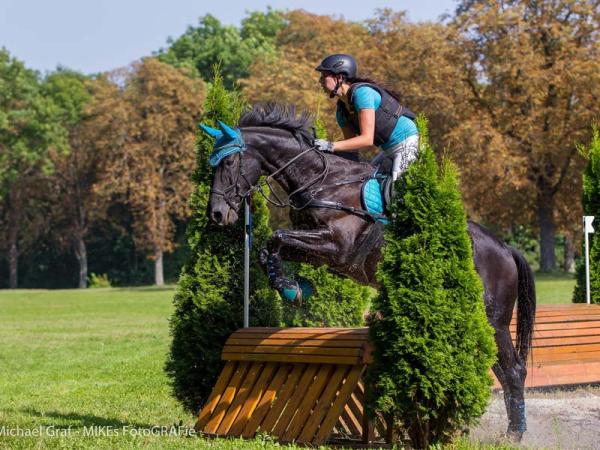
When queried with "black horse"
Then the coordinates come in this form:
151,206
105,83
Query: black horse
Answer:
331,227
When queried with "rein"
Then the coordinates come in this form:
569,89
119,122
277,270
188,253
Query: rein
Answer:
309,202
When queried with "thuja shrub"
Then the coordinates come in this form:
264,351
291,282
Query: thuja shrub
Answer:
433,345
209,296
591,207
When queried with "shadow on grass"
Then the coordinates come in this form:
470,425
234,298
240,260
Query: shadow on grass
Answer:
167,287
85,420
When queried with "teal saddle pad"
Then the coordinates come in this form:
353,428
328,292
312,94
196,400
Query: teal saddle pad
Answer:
372,197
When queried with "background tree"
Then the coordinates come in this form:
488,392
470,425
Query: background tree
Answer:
233,48
76,170
532,69
150,168
433,345
29,127
591,207
305,40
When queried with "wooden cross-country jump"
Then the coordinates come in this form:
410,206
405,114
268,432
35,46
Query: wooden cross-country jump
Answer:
296,384
305,384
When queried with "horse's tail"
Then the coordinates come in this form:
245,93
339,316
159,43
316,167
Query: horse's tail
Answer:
526,304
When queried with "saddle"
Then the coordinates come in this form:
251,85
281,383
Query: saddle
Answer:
376,194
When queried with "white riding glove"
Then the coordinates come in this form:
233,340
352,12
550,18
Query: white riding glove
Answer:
323,145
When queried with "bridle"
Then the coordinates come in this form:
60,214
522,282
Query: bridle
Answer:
233,192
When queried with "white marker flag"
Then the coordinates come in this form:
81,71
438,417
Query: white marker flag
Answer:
588,223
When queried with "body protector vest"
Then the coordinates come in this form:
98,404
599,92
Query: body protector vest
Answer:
386,116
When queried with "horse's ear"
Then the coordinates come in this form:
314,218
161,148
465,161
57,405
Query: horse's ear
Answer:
227,130
210,131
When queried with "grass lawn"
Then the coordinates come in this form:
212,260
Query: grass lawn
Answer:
554,288
73,360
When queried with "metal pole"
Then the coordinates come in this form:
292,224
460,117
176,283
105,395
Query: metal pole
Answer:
247,232
587,262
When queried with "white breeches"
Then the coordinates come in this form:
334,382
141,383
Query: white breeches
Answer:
395,160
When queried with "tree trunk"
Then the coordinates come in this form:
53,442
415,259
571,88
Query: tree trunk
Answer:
13,258
14,213
81,255
569,263
545,214
158,268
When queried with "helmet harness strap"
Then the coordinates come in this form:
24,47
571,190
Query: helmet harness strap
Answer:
338,84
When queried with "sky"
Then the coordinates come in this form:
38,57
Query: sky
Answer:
98,35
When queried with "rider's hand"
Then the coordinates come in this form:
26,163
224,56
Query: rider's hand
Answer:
323,145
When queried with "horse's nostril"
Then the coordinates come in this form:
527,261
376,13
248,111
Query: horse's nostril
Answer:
217,216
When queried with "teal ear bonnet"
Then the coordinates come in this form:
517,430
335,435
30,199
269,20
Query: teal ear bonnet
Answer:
229,141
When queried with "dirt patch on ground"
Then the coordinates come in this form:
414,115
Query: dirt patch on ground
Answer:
556,419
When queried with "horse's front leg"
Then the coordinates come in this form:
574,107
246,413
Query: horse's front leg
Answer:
314,247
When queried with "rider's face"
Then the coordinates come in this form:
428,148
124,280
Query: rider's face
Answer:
328,81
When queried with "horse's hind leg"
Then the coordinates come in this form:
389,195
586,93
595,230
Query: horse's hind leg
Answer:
512,377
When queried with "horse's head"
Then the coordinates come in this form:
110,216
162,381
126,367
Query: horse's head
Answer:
235,172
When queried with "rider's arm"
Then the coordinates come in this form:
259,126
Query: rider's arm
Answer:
366,120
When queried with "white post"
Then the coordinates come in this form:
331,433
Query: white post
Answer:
247,232
587,229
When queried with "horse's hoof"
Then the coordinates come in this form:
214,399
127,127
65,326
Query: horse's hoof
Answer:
263,256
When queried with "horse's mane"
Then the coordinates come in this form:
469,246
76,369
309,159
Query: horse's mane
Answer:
281,116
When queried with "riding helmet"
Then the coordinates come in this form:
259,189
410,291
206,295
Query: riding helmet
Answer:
338,63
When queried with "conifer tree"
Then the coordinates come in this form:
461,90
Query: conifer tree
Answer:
591,207
209,296
434,347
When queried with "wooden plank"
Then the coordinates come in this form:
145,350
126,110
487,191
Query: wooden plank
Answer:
566,326
300,359
355,406
541,351
240,397
353,422
338,404
317,342
293,350
558,358
288,389
576,316
267,399
308,403
300,330
564,374
565,341
215,395
308,433
295,399
226,399
561,374
253,399
568,332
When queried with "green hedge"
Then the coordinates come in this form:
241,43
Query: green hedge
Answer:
434,347
591,207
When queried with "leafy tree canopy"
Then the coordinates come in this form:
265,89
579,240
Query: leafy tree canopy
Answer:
211,42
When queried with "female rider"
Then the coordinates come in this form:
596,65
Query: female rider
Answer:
368,114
